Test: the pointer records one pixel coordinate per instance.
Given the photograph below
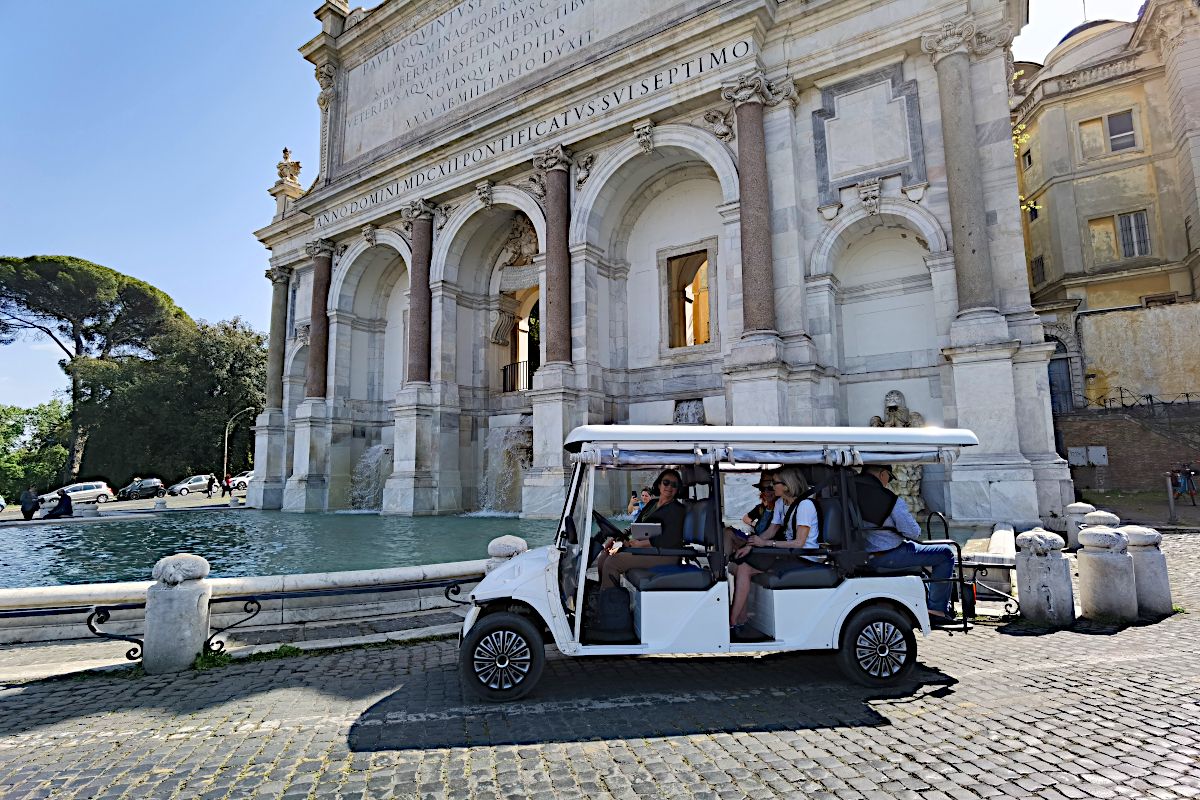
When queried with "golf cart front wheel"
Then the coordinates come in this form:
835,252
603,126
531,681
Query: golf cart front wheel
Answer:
878,647
502,657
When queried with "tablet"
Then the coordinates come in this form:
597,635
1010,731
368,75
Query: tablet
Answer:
644,530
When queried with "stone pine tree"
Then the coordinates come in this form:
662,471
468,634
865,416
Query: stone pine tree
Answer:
90,312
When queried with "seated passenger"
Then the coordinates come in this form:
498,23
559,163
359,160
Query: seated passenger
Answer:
668,512
890,533
63,508
800,529
758,519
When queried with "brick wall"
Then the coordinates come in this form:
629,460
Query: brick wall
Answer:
1139,450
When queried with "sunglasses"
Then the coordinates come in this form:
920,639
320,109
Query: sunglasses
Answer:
778,483
668,483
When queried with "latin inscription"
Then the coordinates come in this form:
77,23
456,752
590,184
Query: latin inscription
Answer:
548,128
471,50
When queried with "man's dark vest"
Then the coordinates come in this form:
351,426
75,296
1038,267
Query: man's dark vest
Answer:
875,501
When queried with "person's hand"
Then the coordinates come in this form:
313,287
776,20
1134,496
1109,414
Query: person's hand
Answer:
758,541
639,543
742,551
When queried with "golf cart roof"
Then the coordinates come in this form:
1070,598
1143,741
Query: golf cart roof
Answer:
631,444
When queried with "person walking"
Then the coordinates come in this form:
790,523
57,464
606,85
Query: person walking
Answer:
29,503
227,486
212,481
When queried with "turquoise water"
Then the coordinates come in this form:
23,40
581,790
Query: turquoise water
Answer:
239,543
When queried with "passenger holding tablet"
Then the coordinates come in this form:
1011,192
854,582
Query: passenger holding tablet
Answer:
667,511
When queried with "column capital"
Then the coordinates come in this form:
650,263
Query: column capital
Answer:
418,209
279,275
965,36
554,158
320,248
754,87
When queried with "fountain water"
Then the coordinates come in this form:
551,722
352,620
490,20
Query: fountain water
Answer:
508,452
689,412
371,472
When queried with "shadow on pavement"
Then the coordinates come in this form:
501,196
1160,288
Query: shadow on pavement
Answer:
629,698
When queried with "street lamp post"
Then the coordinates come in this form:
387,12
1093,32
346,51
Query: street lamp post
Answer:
228,425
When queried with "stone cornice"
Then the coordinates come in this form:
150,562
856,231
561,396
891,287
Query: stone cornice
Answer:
1120,66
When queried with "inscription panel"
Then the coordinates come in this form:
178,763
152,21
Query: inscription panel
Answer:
430,69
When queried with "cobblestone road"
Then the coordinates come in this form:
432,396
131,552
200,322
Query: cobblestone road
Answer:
995,714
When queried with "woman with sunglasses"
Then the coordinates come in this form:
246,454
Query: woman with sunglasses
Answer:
796,527
667,510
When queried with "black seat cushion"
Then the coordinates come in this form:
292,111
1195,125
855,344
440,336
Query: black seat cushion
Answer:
800,576
870,570
670,578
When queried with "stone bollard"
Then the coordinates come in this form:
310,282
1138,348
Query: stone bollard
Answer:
1106,579
1044,579
160,504
233,501
1075,514
1098,517
176,614
503,548
87,510
1150,571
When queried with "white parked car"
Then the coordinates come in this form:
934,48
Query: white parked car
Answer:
192,485
839,603
86,492
242,479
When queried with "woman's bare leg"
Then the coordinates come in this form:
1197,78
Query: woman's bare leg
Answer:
741,593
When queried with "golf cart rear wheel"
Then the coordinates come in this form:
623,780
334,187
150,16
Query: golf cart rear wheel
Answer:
878,647
502,657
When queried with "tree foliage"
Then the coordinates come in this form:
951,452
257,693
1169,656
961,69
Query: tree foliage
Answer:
166,416
33,447
90,312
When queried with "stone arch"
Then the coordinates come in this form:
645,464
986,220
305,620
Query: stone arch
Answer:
351,266
447,243
1060,333
592,202
859,220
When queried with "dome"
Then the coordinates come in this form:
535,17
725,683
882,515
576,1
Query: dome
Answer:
1078,29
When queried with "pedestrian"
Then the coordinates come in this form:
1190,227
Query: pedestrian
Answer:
29,502
212,481
227,486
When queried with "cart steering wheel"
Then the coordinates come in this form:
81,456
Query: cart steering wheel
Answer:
606,526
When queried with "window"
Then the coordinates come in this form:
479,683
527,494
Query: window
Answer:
1033,212
688,307
1187,232
1135,235
1038,268
1027,159
1165,299
1120,132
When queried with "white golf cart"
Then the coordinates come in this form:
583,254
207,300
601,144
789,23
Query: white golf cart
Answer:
840,603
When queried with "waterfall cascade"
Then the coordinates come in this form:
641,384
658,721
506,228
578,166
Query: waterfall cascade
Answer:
370,474
508,452
689,412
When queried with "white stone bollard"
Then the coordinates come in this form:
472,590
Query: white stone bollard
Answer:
233,502
1150,571
176,614
1044,579
160,504
87,510
1100,517
503,548
1075,514
1106,579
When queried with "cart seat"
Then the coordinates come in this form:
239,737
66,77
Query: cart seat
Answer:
869,569
670,578
799,576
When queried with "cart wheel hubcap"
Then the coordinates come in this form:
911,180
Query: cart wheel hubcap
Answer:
502,659
880,649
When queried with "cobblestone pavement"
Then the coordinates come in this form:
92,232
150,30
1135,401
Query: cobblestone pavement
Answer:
1091,713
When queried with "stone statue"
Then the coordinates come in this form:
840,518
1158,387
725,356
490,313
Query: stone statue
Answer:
521,245
906,479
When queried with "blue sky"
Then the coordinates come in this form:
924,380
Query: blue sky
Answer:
144,135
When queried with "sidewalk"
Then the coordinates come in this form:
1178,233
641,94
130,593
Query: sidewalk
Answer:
1146,508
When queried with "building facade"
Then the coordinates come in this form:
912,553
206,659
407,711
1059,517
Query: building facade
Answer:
1109,163
536,214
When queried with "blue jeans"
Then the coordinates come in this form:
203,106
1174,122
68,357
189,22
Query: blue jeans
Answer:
914,554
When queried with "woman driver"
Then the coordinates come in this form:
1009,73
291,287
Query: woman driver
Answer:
667,511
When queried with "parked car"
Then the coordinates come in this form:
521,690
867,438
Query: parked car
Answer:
242,479
91,491
145,487
195,483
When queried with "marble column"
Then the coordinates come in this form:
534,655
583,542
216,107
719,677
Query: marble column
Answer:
555,164
270,433
420,302
321,252
749,95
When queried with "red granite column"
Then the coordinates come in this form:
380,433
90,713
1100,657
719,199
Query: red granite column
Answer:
420,298
556,309
321,252
749,95
280,278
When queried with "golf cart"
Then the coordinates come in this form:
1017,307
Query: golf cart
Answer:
837,603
